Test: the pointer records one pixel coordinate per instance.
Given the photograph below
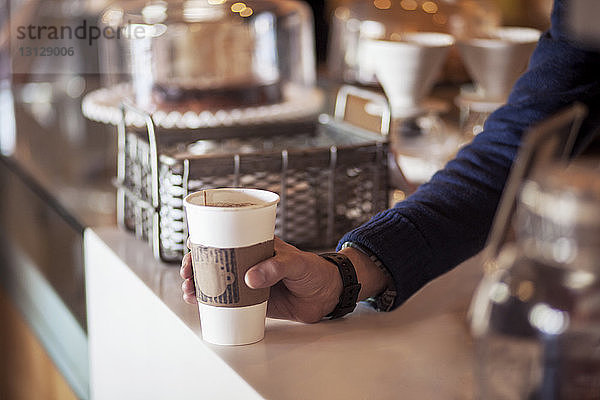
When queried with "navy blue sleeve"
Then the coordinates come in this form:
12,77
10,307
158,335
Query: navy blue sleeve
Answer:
447,220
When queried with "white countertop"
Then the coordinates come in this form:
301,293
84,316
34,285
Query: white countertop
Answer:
422,350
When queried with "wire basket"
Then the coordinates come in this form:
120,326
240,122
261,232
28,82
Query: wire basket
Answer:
330,179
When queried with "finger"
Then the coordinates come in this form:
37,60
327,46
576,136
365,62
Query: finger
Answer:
280,244
285,249
186,266
288,263
278,306
188,287
190,299
255,276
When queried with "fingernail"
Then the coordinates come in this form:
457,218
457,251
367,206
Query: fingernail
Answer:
255,278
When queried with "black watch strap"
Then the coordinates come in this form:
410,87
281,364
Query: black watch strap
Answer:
351,287
384,301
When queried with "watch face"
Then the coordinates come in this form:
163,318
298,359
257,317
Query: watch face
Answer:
385,301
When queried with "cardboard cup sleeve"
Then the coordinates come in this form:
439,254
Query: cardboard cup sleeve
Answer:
219,274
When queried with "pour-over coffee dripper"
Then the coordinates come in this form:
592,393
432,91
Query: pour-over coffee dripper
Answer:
407,70
494,63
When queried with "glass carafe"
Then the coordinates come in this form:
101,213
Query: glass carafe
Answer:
536,317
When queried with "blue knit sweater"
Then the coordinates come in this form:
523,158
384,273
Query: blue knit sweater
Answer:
447,219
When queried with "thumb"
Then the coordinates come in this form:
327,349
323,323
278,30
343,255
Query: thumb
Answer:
266,273
287,263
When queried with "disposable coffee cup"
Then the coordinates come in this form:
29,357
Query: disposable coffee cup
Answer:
230,230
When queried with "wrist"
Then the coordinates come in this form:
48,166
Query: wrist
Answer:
335,290
373,279
350,285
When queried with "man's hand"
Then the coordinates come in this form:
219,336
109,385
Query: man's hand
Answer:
188,287
304,286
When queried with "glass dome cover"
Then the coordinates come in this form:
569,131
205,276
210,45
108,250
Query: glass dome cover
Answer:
209,54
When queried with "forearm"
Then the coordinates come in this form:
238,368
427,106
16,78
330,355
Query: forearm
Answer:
447,219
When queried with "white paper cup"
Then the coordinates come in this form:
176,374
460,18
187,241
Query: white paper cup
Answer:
233,326
237,220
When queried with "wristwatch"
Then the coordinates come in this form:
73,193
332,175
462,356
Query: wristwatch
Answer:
351,287
386,299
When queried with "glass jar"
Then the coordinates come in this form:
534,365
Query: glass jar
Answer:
536,318
422,145
209,54
474,111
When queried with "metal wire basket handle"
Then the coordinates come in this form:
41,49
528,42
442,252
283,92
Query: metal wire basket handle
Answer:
380,107
122,190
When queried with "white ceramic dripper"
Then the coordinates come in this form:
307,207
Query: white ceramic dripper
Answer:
496,63
407,69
